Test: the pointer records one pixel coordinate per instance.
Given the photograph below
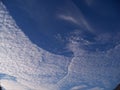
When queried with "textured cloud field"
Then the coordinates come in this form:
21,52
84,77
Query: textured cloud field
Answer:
32,66
25,66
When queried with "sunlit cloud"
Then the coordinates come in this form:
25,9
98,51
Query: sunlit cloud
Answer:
79,87
12,85
30,65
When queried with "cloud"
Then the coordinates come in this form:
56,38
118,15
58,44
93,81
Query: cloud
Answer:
69,19
80,21
71,13
97,69
35,68
96,88
12,85
31,66
78,87
86,87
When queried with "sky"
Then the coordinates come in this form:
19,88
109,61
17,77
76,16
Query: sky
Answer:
55,20
60,45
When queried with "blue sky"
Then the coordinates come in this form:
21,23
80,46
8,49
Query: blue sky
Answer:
39,21
43,23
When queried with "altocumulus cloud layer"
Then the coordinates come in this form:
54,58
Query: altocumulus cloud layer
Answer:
25,66
32,67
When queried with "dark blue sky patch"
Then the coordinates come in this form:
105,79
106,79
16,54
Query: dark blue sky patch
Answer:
102,15
5,76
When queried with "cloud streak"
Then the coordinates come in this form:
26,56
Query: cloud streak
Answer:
69,19
73,14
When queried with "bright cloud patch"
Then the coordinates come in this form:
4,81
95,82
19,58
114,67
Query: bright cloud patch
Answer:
12,85
32,66
94,68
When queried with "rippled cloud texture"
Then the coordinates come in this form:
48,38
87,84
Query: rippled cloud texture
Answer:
26,66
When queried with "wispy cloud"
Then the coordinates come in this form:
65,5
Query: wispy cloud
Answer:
69,19
80,21
71,13
96,88
78,87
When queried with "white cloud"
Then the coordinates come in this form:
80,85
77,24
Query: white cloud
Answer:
29,64
96,88
12,85
94,68
70,13
76,20
69,19
78,87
